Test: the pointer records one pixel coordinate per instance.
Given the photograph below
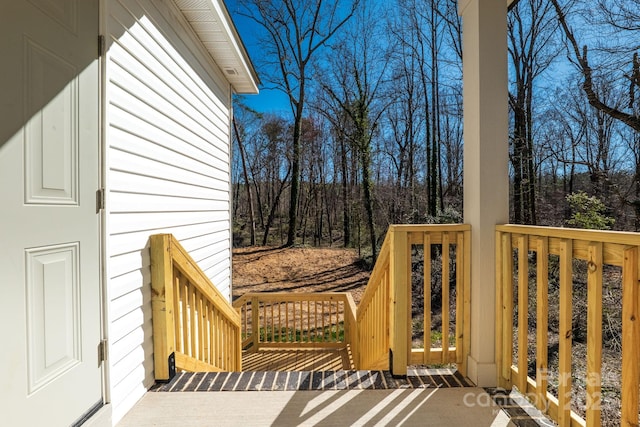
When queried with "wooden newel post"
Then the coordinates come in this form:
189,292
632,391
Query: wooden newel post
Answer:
400,274
630,338
351,328
162,304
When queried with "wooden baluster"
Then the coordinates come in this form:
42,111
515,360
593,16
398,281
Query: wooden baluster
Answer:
280,321
230,350
459,296
340,319
308,321
375,325
184,297
286,322
445,297
314,325
294,322
523,311
594,334
565,338
225,346
201,319
264,323
331,322
385,308
630,338
465,269
337,328
212,336
177,310
542,322
506,320
323,322
219,342
255,322
426,322
273,330
245,308
192,320
204,346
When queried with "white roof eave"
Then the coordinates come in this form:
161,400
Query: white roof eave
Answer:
212,24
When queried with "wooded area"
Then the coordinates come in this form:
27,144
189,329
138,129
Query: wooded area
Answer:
374,135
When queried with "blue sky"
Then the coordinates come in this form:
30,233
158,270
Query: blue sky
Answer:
269,100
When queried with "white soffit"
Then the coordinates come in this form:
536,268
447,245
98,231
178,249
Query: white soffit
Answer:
462,4
212,24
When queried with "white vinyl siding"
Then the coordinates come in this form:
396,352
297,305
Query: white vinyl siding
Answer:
168,171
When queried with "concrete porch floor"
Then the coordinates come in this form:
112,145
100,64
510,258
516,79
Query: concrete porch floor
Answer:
468,406
426,397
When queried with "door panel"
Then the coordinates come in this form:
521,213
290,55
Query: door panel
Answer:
50,303
53,313
51,139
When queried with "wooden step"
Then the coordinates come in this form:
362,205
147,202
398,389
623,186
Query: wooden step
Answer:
311,380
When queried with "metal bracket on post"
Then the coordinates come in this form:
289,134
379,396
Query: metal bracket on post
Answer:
391,367
391,361
172,366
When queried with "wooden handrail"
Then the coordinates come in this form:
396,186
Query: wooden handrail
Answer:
194,326
599,249
384,313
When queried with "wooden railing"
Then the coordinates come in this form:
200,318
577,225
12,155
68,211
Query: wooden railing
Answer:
560,248
196,329
384,319
285,319
194,326
373,319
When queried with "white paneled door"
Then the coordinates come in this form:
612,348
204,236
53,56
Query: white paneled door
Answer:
50,295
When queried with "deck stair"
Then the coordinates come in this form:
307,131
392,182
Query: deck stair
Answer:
196,329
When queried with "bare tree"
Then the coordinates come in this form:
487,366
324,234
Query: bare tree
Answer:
358,70
581,58
296,30
278,166
623,16
239,140
530,30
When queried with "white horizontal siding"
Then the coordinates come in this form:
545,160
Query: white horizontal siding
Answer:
137,242
145,167
167,118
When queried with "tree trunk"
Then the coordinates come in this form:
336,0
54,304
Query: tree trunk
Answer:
368,198
247,184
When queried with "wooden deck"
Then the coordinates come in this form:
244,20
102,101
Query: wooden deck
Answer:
300,359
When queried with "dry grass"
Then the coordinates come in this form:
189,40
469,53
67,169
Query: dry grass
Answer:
269,269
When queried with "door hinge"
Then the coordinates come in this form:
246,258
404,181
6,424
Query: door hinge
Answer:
100,202
102,351
101,46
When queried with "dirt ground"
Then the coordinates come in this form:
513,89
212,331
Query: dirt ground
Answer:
270,269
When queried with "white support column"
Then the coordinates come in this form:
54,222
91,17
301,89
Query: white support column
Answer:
486,180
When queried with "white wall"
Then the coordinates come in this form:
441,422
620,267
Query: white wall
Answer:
168,171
